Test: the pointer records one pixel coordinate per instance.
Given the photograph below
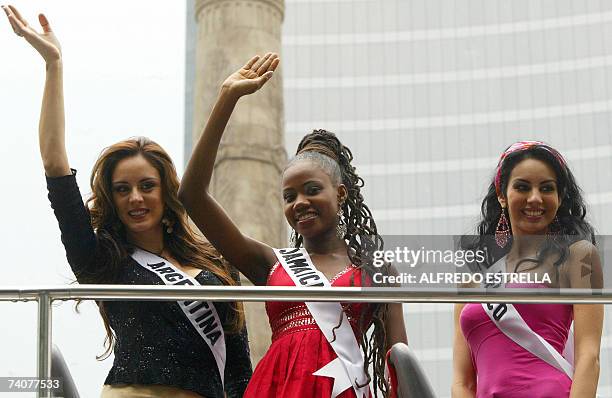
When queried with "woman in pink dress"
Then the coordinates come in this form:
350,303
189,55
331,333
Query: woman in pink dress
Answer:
324,206
535,212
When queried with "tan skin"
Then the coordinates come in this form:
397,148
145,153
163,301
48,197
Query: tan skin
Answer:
138,179
532,201
138,199
254,258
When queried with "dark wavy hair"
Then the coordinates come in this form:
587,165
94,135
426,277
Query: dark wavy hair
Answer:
325,150
569,227
183,243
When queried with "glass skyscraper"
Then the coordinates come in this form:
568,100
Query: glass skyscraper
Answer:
428,93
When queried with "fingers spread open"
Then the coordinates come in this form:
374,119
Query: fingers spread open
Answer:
274,64
44,22
252,61
263,68
260,62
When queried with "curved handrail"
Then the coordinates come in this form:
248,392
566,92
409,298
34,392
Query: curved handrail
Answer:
59,370
412,381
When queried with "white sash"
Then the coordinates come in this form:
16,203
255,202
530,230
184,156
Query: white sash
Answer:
509,321
346,370
201,314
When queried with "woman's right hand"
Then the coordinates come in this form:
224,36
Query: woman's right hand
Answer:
45,43
51,128
254,259
252,76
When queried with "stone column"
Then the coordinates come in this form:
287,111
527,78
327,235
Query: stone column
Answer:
246,180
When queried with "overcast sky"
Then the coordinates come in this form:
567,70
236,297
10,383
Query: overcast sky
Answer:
124,67
123,76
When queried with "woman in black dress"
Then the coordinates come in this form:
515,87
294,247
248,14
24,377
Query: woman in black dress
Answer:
134,230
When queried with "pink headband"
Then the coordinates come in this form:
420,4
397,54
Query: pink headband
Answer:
523,146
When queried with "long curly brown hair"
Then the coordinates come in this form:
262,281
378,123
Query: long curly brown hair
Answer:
183,243
325,149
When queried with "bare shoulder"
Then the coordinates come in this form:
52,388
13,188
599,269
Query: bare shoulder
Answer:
582,246
583,251
583,266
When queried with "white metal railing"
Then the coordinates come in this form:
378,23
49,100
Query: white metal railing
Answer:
45,295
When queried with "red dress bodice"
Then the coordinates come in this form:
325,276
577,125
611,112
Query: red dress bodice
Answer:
298,347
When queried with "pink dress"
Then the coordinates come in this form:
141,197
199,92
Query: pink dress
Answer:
506,370
298,347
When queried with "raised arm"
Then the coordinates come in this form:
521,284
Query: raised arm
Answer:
251,257
73,218
51,125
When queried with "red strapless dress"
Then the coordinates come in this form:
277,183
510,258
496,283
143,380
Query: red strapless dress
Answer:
298,347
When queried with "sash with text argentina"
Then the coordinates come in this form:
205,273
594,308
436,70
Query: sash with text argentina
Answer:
202,315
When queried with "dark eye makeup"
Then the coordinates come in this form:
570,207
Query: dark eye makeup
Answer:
120,188
522,186
312,188
146,186
288,196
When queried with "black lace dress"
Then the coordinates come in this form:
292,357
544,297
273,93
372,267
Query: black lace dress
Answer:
156,344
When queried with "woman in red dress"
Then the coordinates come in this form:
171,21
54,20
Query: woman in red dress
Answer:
324,206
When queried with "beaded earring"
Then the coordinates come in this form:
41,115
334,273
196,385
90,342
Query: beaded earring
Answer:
502,232
341,227
168,224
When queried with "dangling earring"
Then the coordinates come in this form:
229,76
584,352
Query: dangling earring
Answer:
341,227
502,232
293,238
168,224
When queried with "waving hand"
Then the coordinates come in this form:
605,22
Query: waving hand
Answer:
252,76
254,259
51,127
45,43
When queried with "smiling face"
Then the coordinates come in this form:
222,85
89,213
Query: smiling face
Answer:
311,200
532,197
137,195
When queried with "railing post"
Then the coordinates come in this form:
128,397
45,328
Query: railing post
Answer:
44,341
